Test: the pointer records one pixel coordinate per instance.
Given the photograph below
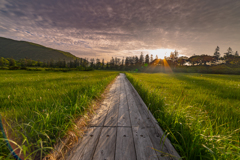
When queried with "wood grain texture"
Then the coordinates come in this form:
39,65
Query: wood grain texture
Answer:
88,146
112,115
100,116
159,145
125,149
169,146
124,129
107,143
123,114
147,120
143,144
135,117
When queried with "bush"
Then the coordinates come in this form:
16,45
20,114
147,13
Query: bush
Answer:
33,69
14,67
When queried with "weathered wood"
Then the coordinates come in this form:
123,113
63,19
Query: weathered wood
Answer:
167,142
125,129
86,150
107,143
147,120
125,149
123,114
135,117
158,142
100,116
112,115
143,144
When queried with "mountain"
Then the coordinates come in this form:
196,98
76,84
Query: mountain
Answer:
21,49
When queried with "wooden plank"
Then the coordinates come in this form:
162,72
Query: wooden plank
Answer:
143,144
97,120
107,144
145,116
86,150
100,116
125,149
158,142
123,114
112,115
77,150
135,117
167,142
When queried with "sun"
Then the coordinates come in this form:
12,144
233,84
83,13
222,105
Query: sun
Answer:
161,53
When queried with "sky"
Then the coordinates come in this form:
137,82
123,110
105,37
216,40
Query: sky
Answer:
120,28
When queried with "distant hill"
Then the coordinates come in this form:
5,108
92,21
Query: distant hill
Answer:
22,49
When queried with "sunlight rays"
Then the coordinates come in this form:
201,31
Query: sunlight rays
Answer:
161,53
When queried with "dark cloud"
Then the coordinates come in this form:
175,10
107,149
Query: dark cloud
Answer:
120,27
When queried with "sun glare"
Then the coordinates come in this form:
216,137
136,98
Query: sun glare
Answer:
161,53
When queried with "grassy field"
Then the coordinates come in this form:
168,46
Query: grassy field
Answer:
199,112
41,106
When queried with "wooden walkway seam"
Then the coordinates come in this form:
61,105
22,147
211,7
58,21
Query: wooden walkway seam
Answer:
123,129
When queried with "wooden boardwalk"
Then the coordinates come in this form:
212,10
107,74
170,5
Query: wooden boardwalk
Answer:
124,129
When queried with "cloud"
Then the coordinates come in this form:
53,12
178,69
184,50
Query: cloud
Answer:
121,27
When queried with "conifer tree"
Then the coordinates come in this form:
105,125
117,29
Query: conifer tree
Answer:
151,58
236,53
102,63
141,59
147,59
217,53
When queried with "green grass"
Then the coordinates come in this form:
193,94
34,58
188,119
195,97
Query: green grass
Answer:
41,106
199,112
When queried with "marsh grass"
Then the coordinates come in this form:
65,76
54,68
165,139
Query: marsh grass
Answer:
40,107
199,112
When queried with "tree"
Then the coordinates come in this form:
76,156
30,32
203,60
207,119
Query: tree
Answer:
29,62
147,59
39,63
76,63
217,53
133,60
1,62
233,60
141,59
115,61
194,59
102,63
181,60
175,54
12,62
112,62
23,62
98,64
151,58
206,58
236,53
229,52
136,60
172,55
64,63
92,62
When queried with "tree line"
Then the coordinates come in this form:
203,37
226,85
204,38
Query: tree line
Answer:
26,62
130,62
